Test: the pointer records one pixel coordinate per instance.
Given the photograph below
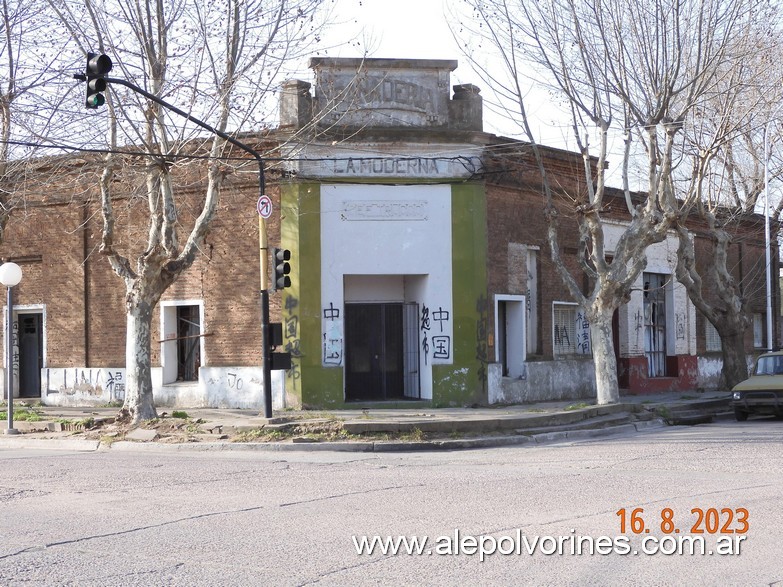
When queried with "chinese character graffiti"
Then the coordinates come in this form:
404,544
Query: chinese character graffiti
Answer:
332,336
582,334
440,343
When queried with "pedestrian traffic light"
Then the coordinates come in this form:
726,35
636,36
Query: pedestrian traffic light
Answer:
280,259
97,67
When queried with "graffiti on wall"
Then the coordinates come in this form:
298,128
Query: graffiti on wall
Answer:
108,384
332,336
679,320
15,350
433,326
235,381
291,337
482,348
582,334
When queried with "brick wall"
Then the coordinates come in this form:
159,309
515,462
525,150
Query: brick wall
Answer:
516,217
56,241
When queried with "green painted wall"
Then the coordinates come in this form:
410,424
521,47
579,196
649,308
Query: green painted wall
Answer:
308,383
465,382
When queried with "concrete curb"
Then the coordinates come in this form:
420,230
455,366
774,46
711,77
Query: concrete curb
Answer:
391,446
496,423
368,446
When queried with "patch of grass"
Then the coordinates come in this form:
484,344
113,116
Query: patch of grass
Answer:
664,412
415,435
109,439
579,406
260,435
536,410
193,428
179,414
686,396
22,415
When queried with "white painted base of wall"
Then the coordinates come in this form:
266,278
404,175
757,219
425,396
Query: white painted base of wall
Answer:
710,368
217,387
709,372
545,381
574,379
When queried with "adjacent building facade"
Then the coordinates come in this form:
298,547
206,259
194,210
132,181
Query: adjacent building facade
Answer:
420,269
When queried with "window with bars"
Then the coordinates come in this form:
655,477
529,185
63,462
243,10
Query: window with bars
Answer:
571,330
713,343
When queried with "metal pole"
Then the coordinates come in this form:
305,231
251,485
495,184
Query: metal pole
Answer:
9,362
267,353
767,239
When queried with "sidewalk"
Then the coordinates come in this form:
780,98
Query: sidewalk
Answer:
366,430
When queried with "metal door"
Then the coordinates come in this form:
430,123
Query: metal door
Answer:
30,344
374,352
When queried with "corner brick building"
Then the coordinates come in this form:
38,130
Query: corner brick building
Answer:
421,270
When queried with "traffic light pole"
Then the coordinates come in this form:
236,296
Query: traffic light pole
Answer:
262,236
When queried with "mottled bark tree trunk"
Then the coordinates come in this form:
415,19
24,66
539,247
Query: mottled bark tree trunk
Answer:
726,307
604,359
139,404
735,362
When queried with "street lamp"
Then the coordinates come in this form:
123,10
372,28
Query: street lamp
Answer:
10,275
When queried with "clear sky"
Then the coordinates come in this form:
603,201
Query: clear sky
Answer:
396,28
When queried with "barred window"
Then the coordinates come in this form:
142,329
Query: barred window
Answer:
571,330
713,339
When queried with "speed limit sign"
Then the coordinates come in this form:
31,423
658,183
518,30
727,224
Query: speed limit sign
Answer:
264,207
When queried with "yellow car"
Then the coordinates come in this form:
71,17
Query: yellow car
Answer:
762,392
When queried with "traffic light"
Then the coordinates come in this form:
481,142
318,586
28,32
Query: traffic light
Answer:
280,258
277,361
97,66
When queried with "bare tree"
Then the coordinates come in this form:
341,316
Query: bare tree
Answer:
630,69
219,61
724,143
26,52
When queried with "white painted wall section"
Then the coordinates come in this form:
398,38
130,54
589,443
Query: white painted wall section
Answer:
375,232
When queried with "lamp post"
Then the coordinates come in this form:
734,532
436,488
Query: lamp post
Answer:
10,275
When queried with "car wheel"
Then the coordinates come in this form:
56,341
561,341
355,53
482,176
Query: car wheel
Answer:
740,415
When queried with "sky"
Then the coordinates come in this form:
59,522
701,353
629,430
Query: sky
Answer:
396,28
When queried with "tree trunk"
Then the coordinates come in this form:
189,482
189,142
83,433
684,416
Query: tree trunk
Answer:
139,403
735,362
604,359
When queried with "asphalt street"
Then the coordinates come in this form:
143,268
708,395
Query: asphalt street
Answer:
143,518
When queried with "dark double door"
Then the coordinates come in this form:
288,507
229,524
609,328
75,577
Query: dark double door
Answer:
381,352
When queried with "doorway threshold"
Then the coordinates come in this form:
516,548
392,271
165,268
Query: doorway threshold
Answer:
387,404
